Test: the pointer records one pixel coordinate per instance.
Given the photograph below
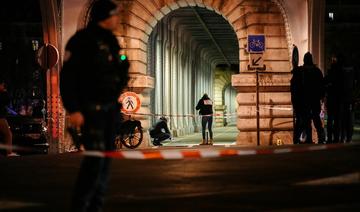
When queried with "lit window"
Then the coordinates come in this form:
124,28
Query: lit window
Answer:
331,15
35,44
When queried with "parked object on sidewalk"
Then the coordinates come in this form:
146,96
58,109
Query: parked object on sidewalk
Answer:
30,133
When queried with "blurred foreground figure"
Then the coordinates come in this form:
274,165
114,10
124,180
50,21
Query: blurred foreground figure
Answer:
92,79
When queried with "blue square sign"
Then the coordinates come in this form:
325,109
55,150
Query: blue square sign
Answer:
256,43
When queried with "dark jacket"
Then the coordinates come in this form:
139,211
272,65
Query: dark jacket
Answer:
158,127
314,83
205,106
297,88
307,87
348,87
333,84
92,72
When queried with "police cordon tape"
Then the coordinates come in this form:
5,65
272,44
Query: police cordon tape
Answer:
173,154
181,115
216,115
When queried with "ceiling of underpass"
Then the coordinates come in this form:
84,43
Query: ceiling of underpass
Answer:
210,31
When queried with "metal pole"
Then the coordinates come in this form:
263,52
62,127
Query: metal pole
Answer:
257,109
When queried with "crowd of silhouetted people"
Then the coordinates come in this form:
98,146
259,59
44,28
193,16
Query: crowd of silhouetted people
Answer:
314,96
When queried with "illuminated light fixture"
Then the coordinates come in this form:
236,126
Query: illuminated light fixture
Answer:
331,15
123,57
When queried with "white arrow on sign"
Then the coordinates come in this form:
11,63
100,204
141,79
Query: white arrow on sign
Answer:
256,60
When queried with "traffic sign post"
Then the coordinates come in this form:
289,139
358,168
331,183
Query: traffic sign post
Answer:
256,48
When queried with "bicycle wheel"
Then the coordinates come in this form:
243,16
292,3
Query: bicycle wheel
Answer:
132,138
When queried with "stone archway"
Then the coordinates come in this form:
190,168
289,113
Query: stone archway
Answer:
268,17
246,17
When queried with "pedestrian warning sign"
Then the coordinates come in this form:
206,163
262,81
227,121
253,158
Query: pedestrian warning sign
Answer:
130,102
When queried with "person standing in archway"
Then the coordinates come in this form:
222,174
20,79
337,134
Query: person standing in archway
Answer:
206,111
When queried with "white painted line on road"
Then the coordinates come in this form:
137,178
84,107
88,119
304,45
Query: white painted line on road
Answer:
94,154
352,178
318,147
13,205
280,151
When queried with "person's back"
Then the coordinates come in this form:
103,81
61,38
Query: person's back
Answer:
333,84
314,84
297,87
100,82
205,107
314,92
160,131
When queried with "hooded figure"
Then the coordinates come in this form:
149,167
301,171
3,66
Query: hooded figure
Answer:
206,111
311,92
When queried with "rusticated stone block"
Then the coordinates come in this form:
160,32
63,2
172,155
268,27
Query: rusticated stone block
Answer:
263,18
249,111
266,138
137,67
268,98
265,124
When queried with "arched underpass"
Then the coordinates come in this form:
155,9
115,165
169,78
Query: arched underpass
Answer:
182,60
193,51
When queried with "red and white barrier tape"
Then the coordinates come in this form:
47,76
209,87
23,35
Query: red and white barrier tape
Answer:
174,154
216,115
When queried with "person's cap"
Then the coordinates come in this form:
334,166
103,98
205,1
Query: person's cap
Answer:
103,9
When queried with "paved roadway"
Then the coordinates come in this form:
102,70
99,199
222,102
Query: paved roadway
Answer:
322,180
